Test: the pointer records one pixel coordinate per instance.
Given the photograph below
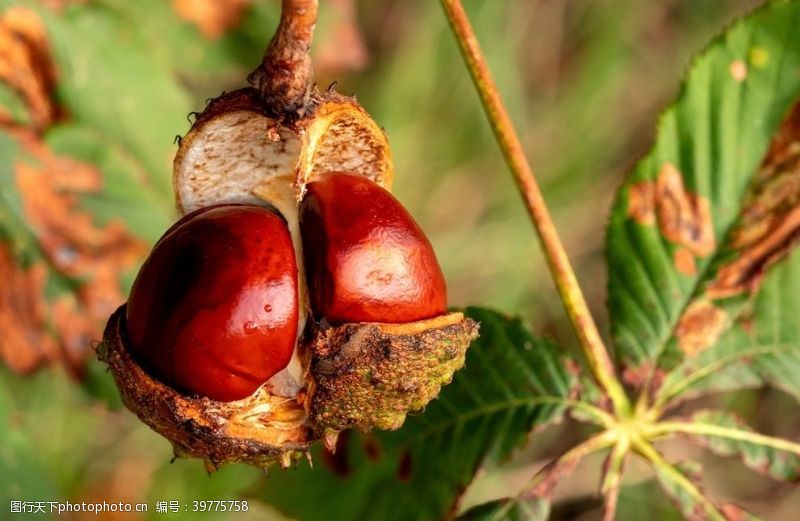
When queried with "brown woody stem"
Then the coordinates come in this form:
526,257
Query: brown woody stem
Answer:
560,267
285,75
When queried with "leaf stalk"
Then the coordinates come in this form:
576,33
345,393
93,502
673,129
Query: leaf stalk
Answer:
567,284
706,429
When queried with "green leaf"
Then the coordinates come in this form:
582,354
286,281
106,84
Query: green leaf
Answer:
97,189
512,384
680,484
124,196
511,509
24,477
110,82
726,435
763,346
533,501
645,497
683,247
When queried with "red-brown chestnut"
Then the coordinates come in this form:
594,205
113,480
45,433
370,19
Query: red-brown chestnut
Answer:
214,309
366,259
192,353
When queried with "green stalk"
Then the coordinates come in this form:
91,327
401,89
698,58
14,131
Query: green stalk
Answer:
560,267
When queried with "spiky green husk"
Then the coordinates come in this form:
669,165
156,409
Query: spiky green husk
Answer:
369,376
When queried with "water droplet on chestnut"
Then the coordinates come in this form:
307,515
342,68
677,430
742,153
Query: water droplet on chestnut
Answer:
195,318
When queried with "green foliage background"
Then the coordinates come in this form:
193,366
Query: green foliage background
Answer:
584,81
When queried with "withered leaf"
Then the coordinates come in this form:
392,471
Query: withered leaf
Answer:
770,221
684,218
343,49
93,257
26,64
213,17
700,326
24,344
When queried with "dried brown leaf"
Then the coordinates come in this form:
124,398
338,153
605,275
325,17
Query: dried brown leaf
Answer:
700,326
344,48
770,224
24,344
93,256
684,218
26,63
213,17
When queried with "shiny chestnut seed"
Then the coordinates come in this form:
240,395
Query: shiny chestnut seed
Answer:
214,309
366,259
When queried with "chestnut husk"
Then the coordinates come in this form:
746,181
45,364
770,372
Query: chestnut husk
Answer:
260,429
370,375
360,376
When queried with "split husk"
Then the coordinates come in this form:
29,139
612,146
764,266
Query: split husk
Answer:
250,147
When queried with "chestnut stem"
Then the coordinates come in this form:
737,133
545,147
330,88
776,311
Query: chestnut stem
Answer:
560,267
285,75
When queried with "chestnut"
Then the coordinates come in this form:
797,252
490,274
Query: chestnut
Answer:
214,309
366,258
214,349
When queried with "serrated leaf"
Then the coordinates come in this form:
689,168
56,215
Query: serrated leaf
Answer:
26,66
80,201
511,385
79,261
689,237
726,435
680,484
762,346
109,82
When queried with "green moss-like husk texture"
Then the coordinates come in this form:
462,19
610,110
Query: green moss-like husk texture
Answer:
369,376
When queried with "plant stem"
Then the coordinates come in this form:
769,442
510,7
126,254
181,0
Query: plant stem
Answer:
285,75
566,282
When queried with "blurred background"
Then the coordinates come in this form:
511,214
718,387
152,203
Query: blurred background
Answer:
93,92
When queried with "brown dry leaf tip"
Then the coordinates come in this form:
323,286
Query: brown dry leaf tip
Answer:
214,18
50,187
684,218
700,326
262,429
24,343
26,64
285,75
369,376
344,49
769,227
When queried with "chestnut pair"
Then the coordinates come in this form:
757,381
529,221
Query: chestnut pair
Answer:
219,305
